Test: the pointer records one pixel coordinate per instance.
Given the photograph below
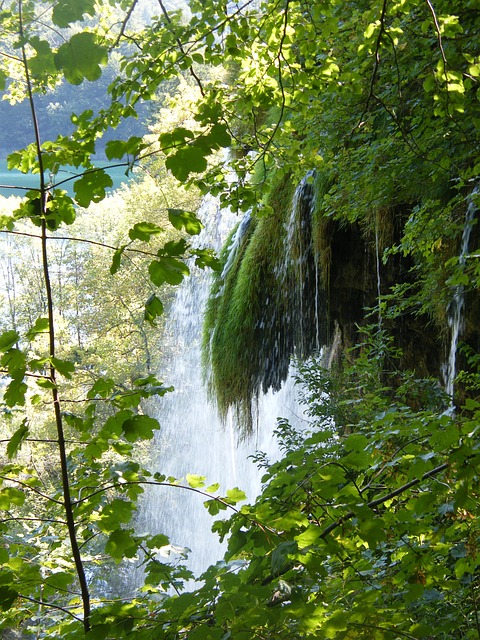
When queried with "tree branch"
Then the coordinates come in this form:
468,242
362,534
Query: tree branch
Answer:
51,332
49,605
180,46
124,23
375,66
30,488
378,501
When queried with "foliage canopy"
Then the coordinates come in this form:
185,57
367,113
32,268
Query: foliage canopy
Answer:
368,527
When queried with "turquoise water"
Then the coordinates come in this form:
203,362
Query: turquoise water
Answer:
16,183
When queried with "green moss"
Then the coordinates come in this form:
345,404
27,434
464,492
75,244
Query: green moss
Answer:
266,306
245,323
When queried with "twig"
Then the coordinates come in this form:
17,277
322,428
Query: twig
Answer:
378,501
30,488
124,23
42,603
375,67
180,46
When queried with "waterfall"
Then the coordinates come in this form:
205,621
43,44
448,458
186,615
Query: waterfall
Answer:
192,439
457,304
300,264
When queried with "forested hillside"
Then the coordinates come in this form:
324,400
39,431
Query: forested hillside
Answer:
345,135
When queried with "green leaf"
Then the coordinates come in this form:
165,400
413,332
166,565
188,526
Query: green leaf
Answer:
59,581
64,367
91,187
121,544
102,387
195,481
236,495
8,595
10,496
80,58
67,11
179,136
206,258
421,630
174,248
117,149
41,326
372,531
158,541
153,309
15,393
100,631
144,231
60,209
279,559
219,135
167,270
8,339
185,161
117,259
214,506
335,623
117,512
17,439
15,361
42,65
145,382
139,427
187,220
46,383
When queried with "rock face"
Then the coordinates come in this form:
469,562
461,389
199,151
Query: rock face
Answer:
299,280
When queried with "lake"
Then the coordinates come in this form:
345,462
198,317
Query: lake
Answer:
11,179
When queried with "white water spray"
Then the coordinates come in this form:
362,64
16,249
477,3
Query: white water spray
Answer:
192,439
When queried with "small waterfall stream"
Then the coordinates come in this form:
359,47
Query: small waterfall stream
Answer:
192,439
457,304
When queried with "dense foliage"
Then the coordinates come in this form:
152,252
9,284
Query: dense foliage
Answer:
367,528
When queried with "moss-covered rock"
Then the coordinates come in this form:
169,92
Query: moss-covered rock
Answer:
300,278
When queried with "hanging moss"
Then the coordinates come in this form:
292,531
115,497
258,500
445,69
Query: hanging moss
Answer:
267,305
246,337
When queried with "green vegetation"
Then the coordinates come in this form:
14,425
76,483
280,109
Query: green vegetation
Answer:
368,526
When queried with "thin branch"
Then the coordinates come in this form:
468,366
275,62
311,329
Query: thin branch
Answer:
15,519
378,501
394,632
375,67
119,485
84,240
43,193
49,605
51,331
180,46
46,440
411,144
30,488
439,37
6,372
3,54
152,558
227,505
124,23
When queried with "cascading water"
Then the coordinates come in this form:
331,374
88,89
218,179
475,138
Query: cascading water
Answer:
457,304
307,303
192,439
